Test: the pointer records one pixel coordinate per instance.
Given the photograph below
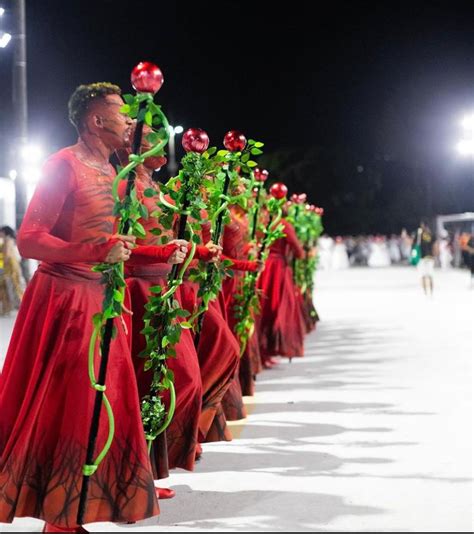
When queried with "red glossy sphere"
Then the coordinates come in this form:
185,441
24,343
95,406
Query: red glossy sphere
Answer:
261,175
147,77
234,141
294,198
195,140
278,190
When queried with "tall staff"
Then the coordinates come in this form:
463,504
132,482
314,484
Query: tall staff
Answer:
249,300
146,78
234,141
162,318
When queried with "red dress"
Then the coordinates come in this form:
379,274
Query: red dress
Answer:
281,325
46,400
181,435
218,354
235,246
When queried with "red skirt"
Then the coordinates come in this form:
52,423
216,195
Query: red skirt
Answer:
181,435
232,403
310,315
46,404
218,354
281,324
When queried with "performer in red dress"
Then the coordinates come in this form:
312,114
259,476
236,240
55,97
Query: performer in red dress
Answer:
236,247
281,325
218,355
181,435
45,395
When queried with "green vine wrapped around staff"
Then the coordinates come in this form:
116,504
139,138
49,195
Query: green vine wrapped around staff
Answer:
248,301
181,198
232,166
306,219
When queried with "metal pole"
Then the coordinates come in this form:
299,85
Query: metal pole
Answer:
172,166
20,106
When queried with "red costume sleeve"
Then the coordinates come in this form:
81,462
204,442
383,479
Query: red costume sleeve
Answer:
203,253
146,254
36,237
292,240
242,265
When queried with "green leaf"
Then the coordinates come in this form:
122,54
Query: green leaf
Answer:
256,151
97,320
138,229
251,164
155,289
149,118
125,109
186,325
118,296
149,192
165,342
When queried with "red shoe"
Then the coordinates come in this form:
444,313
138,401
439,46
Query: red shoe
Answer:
49,527
273,361
165,493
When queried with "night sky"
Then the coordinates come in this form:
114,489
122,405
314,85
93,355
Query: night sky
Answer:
358,103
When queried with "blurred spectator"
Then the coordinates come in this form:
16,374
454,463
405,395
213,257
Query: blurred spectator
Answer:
11,280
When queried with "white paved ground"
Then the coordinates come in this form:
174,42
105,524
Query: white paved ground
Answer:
371,431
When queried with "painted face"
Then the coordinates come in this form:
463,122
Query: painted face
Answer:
113,127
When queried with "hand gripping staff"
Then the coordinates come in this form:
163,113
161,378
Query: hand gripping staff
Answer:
147,79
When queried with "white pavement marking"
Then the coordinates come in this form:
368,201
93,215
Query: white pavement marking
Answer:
371,431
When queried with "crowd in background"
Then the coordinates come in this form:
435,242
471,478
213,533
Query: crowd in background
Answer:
342,252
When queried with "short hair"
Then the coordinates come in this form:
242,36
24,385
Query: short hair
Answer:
83,96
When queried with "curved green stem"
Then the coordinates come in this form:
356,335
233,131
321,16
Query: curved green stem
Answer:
221,209
166,203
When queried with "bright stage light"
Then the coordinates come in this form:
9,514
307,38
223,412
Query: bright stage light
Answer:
31,175
173,130
2,11
13,174
466,147
31,153
468,122
5,38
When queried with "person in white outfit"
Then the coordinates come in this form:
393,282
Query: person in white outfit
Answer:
394,249
445,254
340,258
379,255
325,246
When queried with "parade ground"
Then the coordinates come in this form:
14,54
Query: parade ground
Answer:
370,431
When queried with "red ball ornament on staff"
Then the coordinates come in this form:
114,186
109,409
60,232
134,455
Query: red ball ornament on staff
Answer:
261,175
147,77
195,140
278,190
234,141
